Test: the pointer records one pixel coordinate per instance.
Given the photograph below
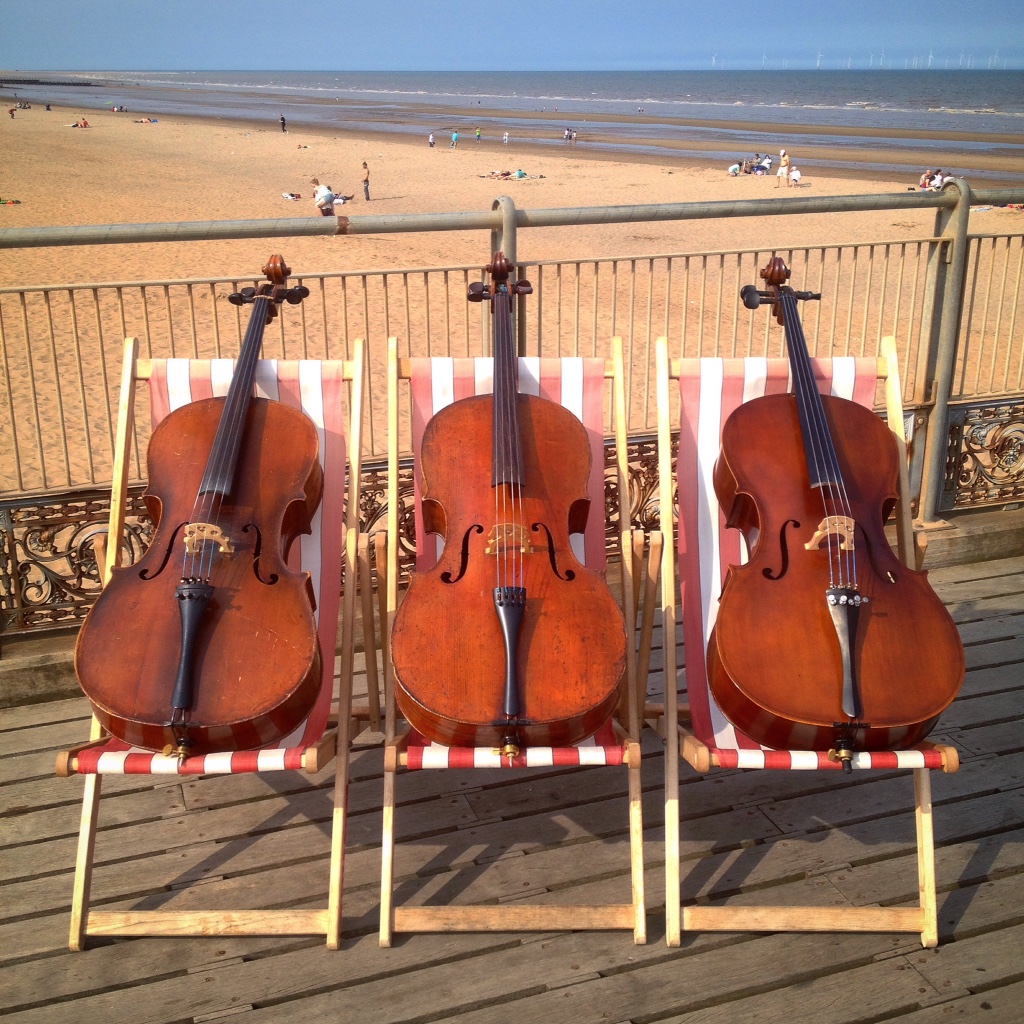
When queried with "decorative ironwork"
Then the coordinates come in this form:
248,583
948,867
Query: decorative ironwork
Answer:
49,575
984,455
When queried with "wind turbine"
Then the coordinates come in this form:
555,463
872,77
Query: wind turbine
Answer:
764,60
817,63
714,58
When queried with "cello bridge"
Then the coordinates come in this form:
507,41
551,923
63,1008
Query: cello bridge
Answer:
197,533
508,537
842,527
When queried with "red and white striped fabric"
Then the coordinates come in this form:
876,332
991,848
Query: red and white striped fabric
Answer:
578,385
318,389
710,389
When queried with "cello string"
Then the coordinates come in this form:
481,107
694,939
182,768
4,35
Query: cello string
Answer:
510,399
236,406
844,555
209,503
809,399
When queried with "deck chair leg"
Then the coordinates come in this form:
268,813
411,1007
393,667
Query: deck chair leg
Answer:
83,863
636,845
926,857
369,634
387,867
339,820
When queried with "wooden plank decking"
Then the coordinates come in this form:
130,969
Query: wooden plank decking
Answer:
756,837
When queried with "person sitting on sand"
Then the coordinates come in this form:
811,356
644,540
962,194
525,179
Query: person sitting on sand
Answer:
926,180
795,176
734,170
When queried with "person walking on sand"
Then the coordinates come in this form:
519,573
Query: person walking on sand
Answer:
478,135
431,140
454,145
504,138
783,171
283,128
366,182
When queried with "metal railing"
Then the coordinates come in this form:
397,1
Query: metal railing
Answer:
952,299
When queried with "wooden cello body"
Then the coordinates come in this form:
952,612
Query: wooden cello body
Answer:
508,639
823,639
209,643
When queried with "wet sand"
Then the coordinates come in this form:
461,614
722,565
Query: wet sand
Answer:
195,169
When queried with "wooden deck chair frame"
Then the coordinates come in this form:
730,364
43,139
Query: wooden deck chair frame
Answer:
510,918
332,743
673,721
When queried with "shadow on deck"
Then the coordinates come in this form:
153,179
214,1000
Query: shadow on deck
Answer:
758,837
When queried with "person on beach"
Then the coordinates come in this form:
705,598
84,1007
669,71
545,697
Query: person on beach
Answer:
324,198
366,182
734,170
504,139
794,176
926,180
431,139
455,141
783,171
283,128
478,135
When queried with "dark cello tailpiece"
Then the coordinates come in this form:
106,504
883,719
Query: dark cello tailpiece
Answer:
508,640
209,643
823,640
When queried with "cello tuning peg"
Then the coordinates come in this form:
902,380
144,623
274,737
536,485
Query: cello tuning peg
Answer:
523,287
751,296
242,297
295,295
478,291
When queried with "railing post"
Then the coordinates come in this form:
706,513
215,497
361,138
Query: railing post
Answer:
503,239
953,224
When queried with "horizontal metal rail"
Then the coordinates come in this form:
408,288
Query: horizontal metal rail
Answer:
187,231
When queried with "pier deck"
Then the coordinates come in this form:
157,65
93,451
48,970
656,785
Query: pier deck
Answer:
756,837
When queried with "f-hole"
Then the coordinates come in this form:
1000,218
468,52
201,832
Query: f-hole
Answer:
257,549
569,575
145,574
784,549
446,576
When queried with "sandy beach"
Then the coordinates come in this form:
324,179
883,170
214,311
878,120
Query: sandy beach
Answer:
194,169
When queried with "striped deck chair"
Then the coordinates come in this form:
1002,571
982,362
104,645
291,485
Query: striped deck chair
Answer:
709,389
578,384
319,389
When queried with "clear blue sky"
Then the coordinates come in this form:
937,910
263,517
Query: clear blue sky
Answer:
442,35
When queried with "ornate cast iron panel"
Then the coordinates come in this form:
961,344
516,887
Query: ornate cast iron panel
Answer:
48,571
49,575
984,455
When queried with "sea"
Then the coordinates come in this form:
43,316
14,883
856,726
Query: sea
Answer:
983,111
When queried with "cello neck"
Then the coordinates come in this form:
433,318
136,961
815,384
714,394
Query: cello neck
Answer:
220,467
219,474
822,461
508,456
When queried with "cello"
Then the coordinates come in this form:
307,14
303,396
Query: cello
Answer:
508,640
823,639
208,643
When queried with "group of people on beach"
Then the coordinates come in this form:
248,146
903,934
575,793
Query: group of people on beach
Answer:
325,198
762,165
432,139
932,181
